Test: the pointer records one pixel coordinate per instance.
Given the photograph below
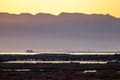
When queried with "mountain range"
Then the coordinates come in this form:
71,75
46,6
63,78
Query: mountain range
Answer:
66,31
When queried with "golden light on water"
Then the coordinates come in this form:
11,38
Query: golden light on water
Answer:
58,62
71,53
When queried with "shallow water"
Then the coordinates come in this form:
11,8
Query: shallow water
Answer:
80,62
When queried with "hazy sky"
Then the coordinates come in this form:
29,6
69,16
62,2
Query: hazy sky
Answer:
56,6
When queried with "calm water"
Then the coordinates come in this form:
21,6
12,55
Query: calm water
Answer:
80,62
75,53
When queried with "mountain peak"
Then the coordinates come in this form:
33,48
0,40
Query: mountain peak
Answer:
26,14
65,13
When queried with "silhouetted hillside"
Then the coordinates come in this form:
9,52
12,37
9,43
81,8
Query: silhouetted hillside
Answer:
65,31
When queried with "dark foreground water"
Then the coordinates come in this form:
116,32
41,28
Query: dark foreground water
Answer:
61,75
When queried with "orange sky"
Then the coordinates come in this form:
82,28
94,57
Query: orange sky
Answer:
57,6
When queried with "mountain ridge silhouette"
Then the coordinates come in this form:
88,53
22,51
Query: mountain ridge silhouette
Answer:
7,17
66,30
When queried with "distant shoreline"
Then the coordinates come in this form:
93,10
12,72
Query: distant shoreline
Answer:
71,53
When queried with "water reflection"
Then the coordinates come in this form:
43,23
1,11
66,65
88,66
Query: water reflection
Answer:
58,62
17,70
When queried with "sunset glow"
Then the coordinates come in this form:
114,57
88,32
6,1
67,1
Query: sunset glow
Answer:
57,6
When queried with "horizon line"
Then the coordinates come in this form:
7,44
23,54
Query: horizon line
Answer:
58,14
